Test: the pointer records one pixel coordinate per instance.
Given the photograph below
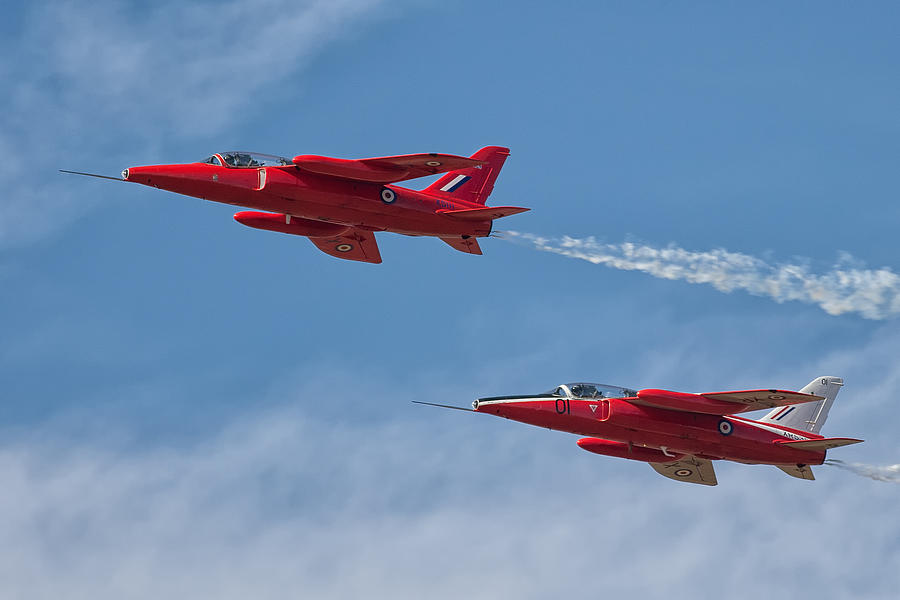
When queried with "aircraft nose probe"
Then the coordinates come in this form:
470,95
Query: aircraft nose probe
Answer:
124,175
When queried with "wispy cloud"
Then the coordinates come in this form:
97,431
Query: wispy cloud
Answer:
281,503
91,79
846,288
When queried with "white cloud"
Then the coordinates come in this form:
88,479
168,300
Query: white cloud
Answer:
92,79
847,288
188,68
283,504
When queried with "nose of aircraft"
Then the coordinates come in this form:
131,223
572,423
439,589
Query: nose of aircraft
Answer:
161,176
503,407
140,174
482,405
488,405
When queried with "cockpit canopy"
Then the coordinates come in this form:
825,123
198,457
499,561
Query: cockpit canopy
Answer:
592,390
246,160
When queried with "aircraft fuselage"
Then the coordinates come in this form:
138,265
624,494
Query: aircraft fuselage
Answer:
659,433
288,190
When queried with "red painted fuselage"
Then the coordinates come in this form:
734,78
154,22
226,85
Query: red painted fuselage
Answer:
339,204
657,435
321,198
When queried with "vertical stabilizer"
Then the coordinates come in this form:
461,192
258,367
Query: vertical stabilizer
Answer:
473,184
811,415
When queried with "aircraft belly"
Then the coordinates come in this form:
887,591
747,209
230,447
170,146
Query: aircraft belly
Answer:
707,444
403,221
679,432
356,205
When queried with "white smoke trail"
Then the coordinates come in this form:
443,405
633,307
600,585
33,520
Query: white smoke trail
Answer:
889,473
847,288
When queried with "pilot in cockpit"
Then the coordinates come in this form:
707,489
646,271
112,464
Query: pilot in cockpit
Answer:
586,390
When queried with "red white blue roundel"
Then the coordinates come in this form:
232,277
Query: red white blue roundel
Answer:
725,427
388,196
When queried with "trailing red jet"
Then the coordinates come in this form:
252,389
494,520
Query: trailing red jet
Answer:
681,434
338,203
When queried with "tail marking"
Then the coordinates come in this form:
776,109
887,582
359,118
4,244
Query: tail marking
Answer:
455,183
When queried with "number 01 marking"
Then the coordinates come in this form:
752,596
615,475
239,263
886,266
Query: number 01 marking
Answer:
563,407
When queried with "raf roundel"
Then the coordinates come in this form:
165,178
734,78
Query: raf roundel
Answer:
725,427
683,472
344,247
388,196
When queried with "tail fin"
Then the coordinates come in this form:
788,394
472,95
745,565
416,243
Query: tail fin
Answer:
811,415
473,184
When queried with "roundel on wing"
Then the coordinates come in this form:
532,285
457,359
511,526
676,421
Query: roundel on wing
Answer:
683,473
725,427
388,196
344,247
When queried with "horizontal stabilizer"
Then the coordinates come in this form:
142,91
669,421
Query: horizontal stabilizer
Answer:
720,403
487,213
798,471
689,469
386,169
468,244
820,445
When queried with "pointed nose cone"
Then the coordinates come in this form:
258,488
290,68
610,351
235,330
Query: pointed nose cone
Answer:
502,407
484,405
539,410
140,174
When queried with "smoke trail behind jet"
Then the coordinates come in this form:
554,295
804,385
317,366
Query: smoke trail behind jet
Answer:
890,473
847,288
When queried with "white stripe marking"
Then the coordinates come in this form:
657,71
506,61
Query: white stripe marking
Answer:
781,432
452,182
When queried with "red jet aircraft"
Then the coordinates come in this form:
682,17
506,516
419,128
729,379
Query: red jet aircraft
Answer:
681,434
338,203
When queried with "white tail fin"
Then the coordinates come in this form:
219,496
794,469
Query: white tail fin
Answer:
811,415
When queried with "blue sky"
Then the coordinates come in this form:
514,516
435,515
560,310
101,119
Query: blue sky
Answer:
193,407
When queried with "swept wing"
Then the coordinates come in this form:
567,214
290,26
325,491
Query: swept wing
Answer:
385,169
690,469
355,244
720,403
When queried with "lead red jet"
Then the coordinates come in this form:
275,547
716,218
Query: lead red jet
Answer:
339,204
681,434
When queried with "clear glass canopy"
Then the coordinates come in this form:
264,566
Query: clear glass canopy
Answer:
592,390
246,160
